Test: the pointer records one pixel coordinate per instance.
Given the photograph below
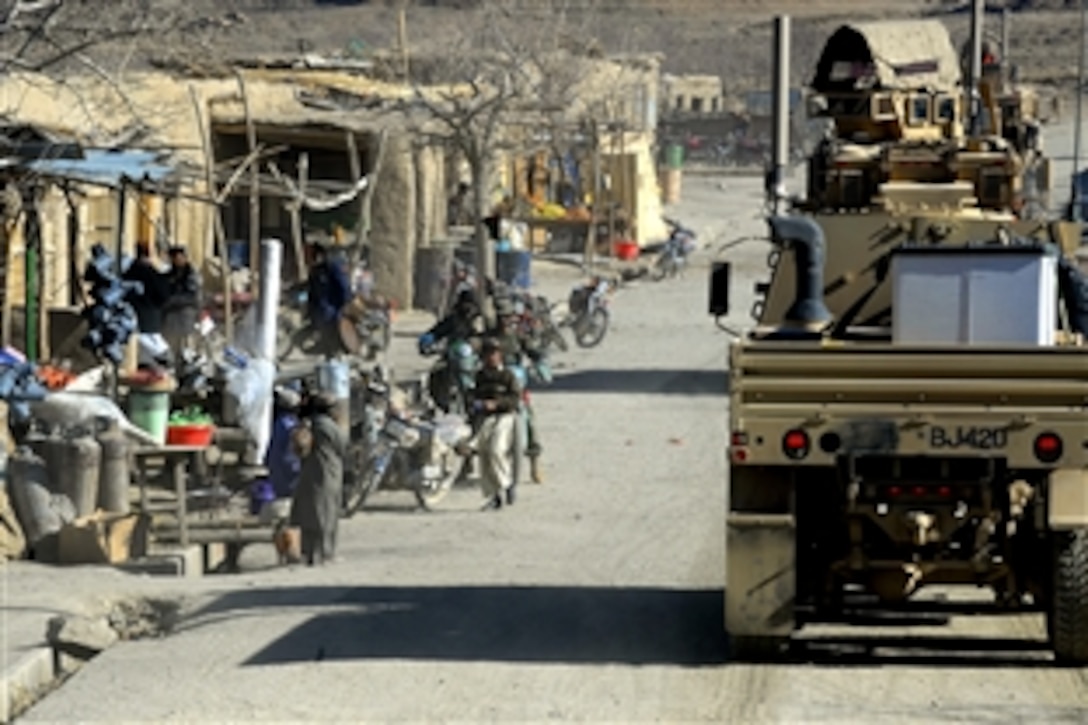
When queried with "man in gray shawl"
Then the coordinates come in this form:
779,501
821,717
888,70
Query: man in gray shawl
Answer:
315,508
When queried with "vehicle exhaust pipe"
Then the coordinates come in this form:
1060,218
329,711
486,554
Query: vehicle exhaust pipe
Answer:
974,72
806,239
780,112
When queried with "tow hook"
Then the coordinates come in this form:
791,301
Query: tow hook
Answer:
922,524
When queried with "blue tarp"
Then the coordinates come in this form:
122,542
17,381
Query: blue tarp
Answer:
106,168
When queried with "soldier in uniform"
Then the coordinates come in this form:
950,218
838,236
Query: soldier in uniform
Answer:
516,347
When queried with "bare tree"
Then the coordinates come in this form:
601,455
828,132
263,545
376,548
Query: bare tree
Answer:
467,95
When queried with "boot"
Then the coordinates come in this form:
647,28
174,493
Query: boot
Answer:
535,474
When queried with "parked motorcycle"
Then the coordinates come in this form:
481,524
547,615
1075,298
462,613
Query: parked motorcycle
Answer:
674,254
450,382
406,452
589,314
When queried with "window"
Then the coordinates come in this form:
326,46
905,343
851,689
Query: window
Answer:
946,109
715,104
697,105
918,110
883,108
679,103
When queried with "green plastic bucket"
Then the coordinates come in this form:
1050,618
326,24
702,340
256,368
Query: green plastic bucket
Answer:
150,412
674,156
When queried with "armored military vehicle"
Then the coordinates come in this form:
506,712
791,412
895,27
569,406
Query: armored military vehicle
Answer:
911,408
900,162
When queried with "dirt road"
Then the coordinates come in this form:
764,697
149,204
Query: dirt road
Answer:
597,597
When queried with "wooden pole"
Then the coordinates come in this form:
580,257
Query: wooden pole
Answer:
295,209
402,35
254,181
215,221
30,274
591,235
356,174
362,229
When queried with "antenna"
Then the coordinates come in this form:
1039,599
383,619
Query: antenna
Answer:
1077,124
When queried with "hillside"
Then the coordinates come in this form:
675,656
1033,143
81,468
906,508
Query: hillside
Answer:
730,38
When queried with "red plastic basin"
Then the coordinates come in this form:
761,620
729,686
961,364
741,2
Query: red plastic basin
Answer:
190,435
626,251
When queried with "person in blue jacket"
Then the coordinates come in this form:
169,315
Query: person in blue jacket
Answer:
282,461
328,290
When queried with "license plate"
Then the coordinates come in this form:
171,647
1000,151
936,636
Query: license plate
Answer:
432,472
968,437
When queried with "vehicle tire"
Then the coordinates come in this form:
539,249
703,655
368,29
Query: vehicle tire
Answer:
1068,615
286,333
431,495
592,329
757,649
552,336
370,480
659,271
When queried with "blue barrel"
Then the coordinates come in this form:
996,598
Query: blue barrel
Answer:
238,254
513,268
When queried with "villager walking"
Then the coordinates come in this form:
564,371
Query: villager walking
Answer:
495,402
519,352
315,509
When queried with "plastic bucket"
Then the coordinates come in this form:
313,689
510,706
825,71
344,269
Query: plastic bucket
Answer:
513,268
190,435
334,378
674,156
150,412
626,251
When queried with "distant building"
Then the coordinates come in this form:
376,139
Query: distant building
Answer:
692,94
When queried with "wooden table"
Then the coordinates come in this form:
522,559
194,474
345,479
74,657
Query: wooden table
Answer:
184,462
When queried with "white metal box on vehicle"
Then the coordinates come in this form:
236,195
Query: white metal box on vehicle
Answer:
996,295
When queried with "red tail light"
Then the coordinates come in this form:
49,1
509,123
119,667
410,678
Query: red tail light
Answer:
796,444
738,450
1048,447
944,491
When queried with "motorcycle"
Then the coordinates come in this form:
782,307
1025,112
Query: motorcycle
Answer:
370,320
405,452
674,254
450,382
589,314
541,326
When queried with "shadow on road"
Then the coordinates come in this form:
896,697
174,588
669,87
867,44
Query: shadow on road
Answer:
565,625
488,623
661,382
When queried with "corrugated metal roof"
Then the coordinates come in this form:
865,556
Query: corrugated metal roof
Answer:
106,167
901,54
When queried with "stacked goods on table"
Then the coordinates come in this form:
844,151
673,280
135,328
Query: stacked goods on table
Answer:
190,427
